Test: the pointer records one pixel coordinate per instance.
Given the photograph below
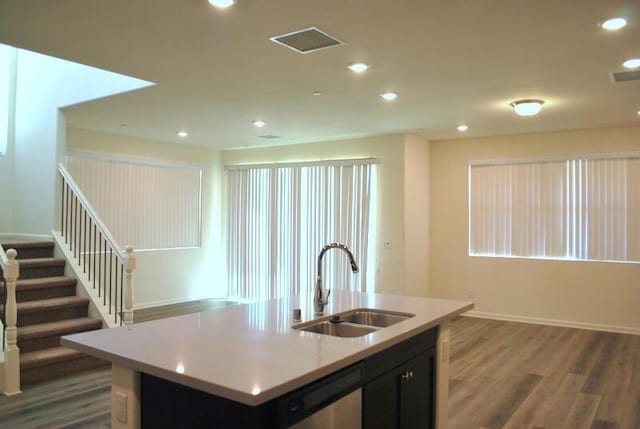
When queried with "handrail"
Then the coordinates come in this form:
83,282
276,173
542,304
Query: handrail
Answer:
10,274
92,213
108,268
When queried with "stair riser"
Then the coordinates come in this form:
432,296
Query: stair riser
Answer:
45,293
48,372
52,315
27,346
33,252
40,272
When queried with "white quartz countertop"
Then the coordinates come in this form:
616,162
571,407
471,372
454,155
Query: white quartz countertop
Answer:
249,353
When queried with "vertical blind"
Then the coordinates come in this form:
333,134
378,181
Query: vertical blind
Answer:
586,209
146,205
280,217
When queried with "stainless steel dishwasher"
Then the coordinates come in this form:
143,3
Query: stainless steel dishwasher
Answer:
335,402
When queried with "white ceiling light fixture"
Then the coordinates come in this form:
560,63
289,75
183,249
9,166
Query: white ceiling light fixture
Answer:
358,67
258,123
462,127
389,96
182,134
632,63
222,4
614,24
527,107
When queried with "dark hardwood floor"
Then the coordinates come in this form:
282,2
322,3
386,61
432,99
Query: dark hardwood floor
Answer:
503,375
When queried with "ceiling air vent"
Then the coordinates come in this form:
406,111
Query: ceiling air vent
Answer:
625,76
269,136
307,40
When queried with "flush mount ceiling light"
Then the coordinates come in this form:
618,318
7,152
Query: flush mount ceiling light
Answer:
259,123
614,24
182,134
462,127
527,107
358,67
389,96
633,63
222,4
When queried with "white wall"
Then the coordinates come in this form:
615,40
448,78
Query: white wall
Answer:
45,84
390,149
589,294
168,276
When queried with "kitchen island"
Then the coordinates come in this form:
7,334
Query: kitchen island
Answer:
248,357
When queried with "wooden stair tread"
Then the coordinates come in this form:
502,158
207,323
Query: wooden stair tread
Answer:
43,282
41,262
47,357
61,327
51,304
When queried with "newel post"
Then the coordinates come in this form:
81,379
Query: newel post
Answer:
129,266
12,353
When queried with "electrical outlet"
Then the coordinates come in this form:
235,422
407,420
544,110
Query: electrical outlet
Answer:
387,245
121,407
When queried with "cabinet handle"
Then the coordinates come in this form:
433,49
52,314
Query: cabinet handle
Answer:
407,375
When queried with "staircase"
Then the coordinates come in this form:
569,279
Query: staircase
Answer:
48,308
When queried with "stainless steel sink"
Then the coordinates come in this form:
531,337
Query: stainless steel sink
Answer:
338,329
354,323
380,318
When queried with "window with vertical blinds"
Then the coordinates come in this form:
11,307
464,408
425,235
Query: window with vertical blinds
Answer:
280,216
146,204
583,209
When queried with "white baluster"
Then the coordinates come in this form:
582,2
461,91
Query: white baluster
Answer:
129,266
12,353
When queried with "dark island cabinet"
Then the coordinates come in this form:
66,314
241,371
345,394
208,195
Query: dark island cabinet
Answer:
403,397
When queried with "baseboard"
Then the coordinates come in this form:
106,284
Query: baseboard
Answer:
25,236
162,302
554,322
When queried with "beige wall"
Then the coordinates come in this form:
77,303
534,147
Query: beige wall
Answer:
390,150
166,276
416,215
605,295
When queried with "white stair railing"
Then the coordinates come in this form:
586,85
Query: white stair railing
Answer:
10,272
107,266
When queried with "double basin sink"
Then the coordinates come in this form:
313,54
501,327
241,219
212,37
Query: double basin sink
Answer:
354,323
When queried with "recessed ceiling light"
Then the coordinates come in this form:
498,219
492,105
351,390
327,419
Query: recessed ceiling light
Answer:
633,63
463,127
614,24
316,93
222,4
259,123
182,134
358,67
389,96
527,107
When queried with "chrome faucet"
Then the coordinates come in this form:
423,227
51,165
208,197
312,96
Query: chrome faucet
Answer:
319,298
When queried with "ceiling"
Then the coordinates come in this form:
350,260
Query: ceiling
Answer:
451,62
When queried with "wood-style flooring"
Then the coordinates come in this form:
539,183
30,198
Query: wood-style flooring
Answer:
503,375
523,376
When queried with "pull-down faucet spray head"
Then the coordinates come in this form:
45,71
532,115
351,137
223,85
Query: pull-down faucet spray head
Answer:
320,300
